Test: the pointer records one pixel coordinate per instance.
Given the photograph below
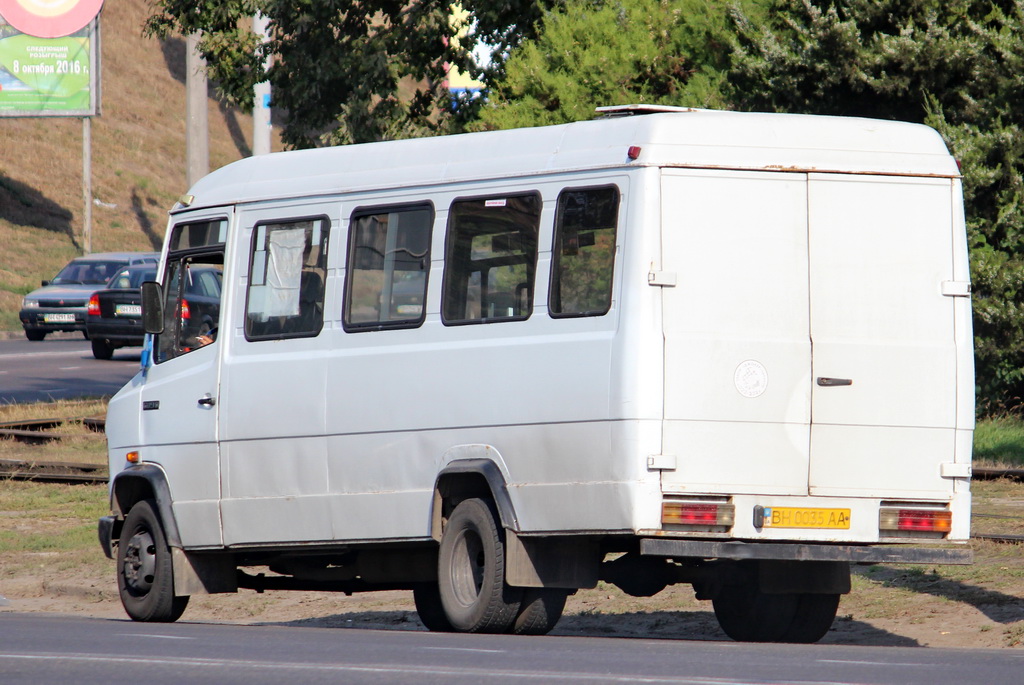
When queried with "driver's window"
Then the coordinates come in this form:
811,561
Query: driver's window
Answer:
192,304
192,288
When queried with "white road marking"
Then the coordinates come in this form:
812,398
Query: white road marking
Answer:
480,674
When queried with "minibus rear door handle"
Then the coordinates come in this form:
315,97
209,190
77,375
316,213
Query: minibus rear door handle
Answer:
829,382
207,400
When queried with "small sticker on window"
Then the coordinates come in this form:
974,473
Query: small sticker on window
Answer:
494,203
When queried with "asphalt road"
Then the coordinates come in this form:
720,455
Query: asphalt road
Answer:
40,648
60,369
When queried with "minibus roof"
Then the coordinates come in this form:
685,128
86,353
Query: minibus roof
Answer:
681,138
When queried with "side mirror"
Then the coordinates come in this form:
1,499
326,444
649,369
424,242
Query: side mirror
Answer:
44,283
152,308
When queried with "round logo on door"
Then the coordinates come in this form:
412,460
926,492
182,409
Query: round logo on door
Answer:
751,378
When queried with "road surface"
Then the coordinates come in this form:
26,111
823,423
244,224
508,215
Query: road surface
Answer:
60,369
41,648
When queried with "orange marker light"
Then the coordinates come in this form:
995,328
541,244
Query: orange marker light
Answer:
132,457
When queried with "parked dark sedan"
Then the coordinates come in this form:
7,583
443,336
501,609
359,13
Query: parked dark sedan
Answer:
114,317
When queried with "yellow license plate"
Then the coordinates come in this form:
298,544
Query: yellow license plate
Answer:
798,517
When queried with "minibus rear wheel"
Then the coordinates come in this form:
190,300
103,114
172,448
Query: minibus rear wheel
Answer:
747,614
471,571
540,610
145,576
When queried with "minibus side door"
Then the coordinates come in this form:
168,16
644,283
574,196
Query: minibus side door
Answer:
180,389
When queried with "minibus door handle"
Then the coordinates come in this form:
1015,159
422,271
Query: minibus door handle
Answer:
207,400
832,382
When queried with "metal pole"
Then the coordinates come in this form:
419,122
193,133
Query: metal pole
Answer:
197,125
87,184
261,96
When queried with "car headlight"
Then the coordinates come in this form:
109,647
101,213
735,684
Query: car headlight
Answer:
29,303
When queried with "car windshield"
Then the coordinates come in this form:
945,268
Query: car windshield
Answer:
86,272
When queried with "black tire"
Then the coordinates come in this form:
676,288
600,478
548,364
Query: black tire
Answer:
101,349
814,617
428,605
539,611
471,571
35,334
748,615
145,575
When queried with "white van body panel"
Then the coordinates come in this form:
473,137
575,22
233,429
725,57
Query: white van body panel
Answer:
754,255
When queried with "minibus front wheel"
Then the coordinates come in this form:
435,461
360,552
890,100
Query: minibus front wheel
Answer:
145,575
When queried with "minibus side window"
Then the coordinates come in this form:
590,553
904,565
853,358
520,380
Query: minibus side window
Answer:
388,263
491,259
287,275
583,256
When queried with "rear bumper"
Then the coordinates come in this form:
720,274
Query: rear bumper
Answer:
124,333
856,554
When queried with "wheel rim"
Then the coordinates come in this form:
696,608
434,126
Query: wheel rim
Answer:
468,568
140,563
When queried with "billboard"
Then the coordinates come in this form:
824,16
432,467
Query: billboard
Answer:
49,75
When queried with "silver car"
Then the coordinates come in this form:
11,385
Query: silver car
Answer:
60,305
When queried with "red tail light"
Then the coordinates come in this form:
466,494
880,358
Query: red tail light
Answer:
94,305
185,315
697,513
915,520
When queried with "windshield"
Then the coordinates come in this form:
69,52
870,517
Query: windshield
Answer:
86,272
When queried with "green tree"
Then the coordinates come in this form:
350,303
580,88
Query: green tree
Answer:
952,64
589,53
344,71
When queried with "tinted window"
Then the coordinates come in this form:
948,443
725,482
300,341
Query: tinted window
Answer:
491,259
388,263
583,257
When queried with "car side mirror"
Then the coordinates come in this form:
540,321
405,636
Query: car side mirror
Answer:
152,308
44,283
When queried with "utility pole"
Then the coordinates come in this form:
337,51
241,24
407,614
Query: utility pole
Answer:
197,127
261,96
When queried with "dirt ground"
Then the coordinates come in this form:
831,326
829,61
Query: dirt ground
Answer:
899,606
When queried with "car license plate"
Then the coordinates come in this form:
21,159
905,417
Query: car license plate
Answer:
128,310
798,517
58,318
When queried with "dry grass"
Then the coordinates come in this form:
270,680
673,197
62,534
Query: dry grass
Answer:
78,442
138,155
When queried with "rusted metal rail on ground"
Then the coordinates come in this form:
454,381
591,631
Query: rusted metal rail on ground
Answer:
996,474
53,471
39,432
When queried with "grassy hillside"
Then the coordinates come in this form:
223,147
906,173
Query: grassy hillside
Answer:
138,161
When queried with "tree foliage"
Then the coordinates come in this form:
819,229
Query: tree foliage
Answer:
589,53
952,64
344,71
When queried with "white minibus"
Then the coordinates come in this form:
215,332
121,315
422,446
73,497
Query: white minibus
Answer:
726,349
